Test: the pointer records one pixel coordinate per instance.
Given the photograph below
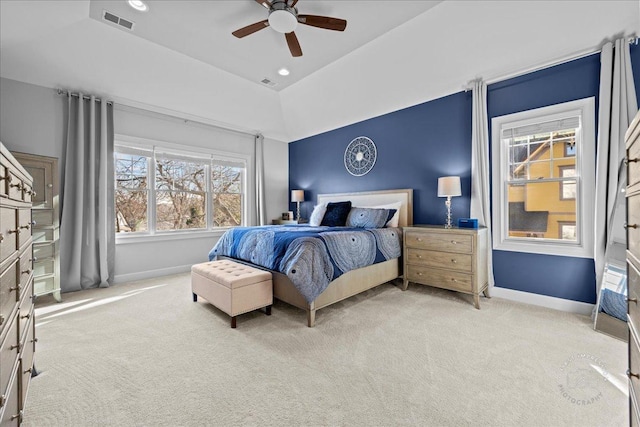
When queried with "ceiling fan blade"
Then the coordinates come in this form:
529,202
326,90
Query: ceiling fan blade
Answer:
294,3
294,46
265,3
250,29
325,22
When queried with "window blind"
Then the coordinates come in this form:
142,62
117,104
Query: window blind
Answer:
551,126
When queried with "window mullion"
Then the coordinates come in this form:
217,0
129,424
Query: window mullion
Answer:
152,193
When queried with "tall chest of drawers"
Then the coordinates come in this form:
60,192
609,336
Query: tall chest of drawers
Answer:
453,258
17,323
633,265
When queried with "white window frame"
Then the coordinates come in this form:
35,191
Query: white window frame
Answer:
154,235
585,172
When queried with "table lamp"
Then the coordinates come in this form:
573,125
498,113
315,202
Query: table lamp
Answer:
297,196
449,186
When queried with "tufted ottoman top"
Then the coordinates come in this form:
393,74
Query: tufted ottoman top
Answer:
231,274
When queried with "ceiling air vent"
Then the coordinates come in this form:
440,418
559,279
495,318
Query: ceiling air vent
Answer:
268,82
115,19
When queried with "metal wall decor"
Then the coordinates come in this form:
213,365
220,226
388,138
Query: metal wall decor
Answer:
360,156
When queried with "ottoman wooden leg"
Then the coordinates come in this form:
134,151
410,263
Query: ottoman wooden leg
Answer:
195,298
268,310
233,321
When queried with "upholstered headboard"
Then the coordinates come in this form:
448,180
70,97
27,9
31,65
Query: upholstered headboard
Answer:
376,198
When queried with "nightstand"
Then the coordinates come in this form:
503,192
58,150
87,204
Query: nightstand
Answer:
284,221
448,258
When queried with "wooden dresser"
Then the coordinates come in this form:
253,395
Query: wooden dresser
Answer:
633,265
17,323
453,258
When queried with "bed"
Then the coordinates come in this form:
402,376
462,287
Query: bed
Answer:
351,282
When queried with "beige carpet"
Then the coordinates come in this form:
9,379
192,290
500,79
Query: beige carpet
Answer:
144,354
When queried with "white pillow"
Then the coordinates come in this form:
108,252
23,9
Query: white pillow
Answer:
395,219
318,213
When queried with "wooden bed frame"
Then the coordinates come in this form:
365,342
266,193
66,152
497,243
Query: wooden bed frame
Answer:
355,281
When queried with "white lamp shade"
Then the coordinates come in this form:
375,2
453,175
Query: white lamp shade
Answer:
297,195
449,186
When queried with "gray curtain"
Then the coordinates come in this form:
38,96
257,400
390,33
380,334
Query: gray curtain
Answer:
480,207
87,227
617,108
261,214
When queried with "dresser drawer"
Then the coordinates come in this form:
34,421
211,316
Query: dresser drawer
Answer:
634,361
440,278
4,172
43,250
448,260
8,227
26,362
11,415
448,242
43,217
9,350
634,168
15,187
633,218
8,291
26,268
25,313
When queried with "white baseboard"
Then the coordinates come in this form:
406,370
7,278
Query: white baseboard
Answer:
543,301
121,278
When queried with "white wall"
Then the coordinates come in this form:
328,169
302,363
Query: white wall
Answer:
32,120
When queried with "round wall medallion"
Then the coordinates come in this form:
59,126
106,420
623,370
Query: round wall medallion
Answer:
360,156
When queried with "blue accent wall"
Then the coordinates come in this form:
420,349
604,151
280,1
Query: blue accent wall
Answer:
418,144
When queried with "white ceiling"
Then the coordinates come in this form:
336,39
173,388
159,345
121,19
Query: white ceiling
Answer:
182,59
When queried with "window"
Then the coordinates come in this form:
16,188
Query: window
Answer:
543,179
161,190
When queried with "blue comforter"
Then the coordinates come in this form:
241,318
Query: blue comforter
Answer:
310,256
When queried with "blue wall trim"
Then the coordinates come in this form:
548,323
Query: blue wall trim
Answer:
418,144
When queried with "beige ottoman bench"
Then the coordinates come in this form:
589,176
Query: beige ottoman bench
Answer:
232,287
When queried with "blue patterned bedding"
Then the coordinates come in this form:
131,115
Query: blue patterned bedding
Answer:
310,256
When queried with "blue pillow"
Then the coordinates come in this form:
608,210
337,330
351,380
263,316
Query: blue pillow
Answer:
369,217
336,214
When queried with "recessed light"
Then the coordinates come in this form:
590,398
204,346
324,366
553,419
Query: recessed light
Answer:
283,72
138,5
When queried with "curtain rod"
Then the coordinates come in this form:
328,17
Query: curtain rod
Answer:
572,57
134,106
68,93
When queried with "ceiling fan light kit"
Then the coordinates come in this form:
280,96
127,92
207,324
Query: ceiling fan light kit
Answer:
284,18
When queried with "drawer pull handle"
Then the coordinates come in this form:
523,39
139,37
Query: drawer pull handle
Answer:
1,237
18,186
627,161
630,226
17,288
454,261
15,346
27,271
34,340
3,399
633,300
419,239
419,274
453,242
26,316
454,280
1,322
419,256
33,193
28,226
631,374
18,416
34,259
6,178
17,230
27,371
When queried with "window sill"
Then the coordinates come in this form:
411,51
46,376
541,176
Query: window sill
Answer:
544,248
125,239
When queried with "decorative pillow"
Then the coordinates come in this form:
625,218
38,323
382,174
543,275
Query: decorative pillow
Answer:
336,214
369,218
318,213
395,219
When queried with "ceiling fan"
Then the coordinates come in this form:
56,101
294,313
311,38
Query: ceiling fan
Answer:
284,18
